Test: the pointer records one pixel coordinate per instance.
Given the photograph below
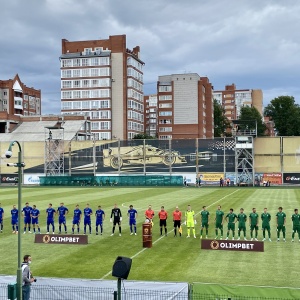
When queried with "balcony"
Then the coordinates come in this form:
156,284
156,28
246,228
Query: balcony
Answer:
18,103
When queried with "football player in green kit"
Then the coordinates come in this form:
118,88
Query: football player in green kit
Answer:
296,224
219,219
231,218
280,221
266,218
204,221
253,220
242,218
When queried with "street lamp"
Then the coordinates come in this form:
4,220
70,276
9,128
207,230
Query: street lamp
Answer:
19,165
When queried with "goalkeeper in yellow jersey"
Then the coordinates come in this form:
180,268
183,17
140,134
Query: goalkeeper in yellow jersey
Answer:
190,221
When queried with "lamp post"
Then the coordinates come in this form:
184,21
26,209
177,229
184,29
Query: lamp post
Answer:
19,165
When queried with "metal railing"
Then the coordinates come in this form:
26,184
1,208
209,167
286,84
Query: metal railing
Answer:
51,292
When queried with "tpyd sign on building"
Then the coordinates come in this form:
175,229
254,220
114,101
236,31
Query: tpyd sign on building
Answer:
232,245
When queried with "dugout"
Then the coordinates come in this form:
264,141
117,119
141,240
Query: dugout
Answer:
104,181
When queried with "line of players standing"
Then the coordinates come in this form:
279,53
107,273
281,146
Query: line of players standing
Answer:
31,216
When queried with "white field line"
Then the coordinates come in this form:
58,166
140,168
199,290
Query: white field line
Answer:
144,249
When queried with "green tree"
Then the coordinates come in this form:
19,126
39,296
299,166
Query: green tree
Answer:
286,115
250,117
220,121
142,136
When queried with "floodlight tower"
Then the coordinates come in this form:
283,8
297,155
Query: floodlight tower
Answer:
54,151
244,152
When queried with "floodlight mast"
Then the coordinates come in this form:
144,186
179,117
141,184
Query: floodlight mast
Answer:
19,165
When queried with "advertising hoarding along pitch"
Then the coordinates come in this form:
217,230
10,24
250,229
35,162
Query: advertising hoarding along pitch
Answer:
232,245
291,178
74,239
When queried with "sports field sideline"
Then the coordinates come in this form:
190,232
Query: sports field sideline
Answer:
170,258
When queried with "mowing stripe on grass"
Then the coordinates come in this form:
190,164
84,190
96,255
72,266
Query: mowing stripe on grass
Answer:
144,249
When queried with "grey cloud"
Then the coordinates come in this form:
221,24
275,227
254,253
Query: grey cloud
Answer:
252,43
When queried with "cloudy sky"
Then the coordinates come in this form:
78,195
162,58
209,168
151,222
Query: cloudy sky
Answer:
252,43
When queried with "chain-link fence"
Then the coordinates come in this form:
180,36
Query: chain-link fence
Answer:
51,292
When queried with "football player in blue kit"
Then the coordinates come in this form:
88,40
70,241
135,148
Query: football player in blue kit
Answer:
62,212
132,215
87,212
100,216
50,212
35,213
76,218
27,219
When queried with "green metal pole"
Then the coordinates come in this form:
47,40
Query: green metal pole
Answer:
119,288
19,271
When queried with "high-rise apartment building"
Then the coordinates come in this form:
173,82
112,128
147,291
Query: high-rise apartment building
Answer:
151,115
103,79
16,99
185,107
233,100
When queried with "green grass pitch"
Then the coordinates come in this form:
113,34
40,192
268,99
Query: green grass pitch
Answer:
170,259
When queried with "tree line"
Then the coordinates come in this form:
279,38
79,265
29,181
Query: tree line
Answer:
282,110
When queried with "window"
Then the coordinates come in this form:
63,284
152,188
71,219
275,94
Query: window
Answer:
104,82
104,136
165,88
94,93
165,129
104,104
76,94
87,51
94,72
165,137
165,121
95,125
95,104
85,94
104,61
105,125
85,62
85,83
66,105
85,104
76,84
5,93
76,73
65,84
85,72
165,113
165,97
104,93
66,95
104,114
95,83
76,104
95,115
95,61
165,105
76,62
66,63
66,73
104,71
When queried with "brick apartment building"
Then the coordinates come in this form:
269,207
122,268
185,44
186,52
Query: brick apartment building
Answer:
233,100
151,115
103,79
16,99
185,107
